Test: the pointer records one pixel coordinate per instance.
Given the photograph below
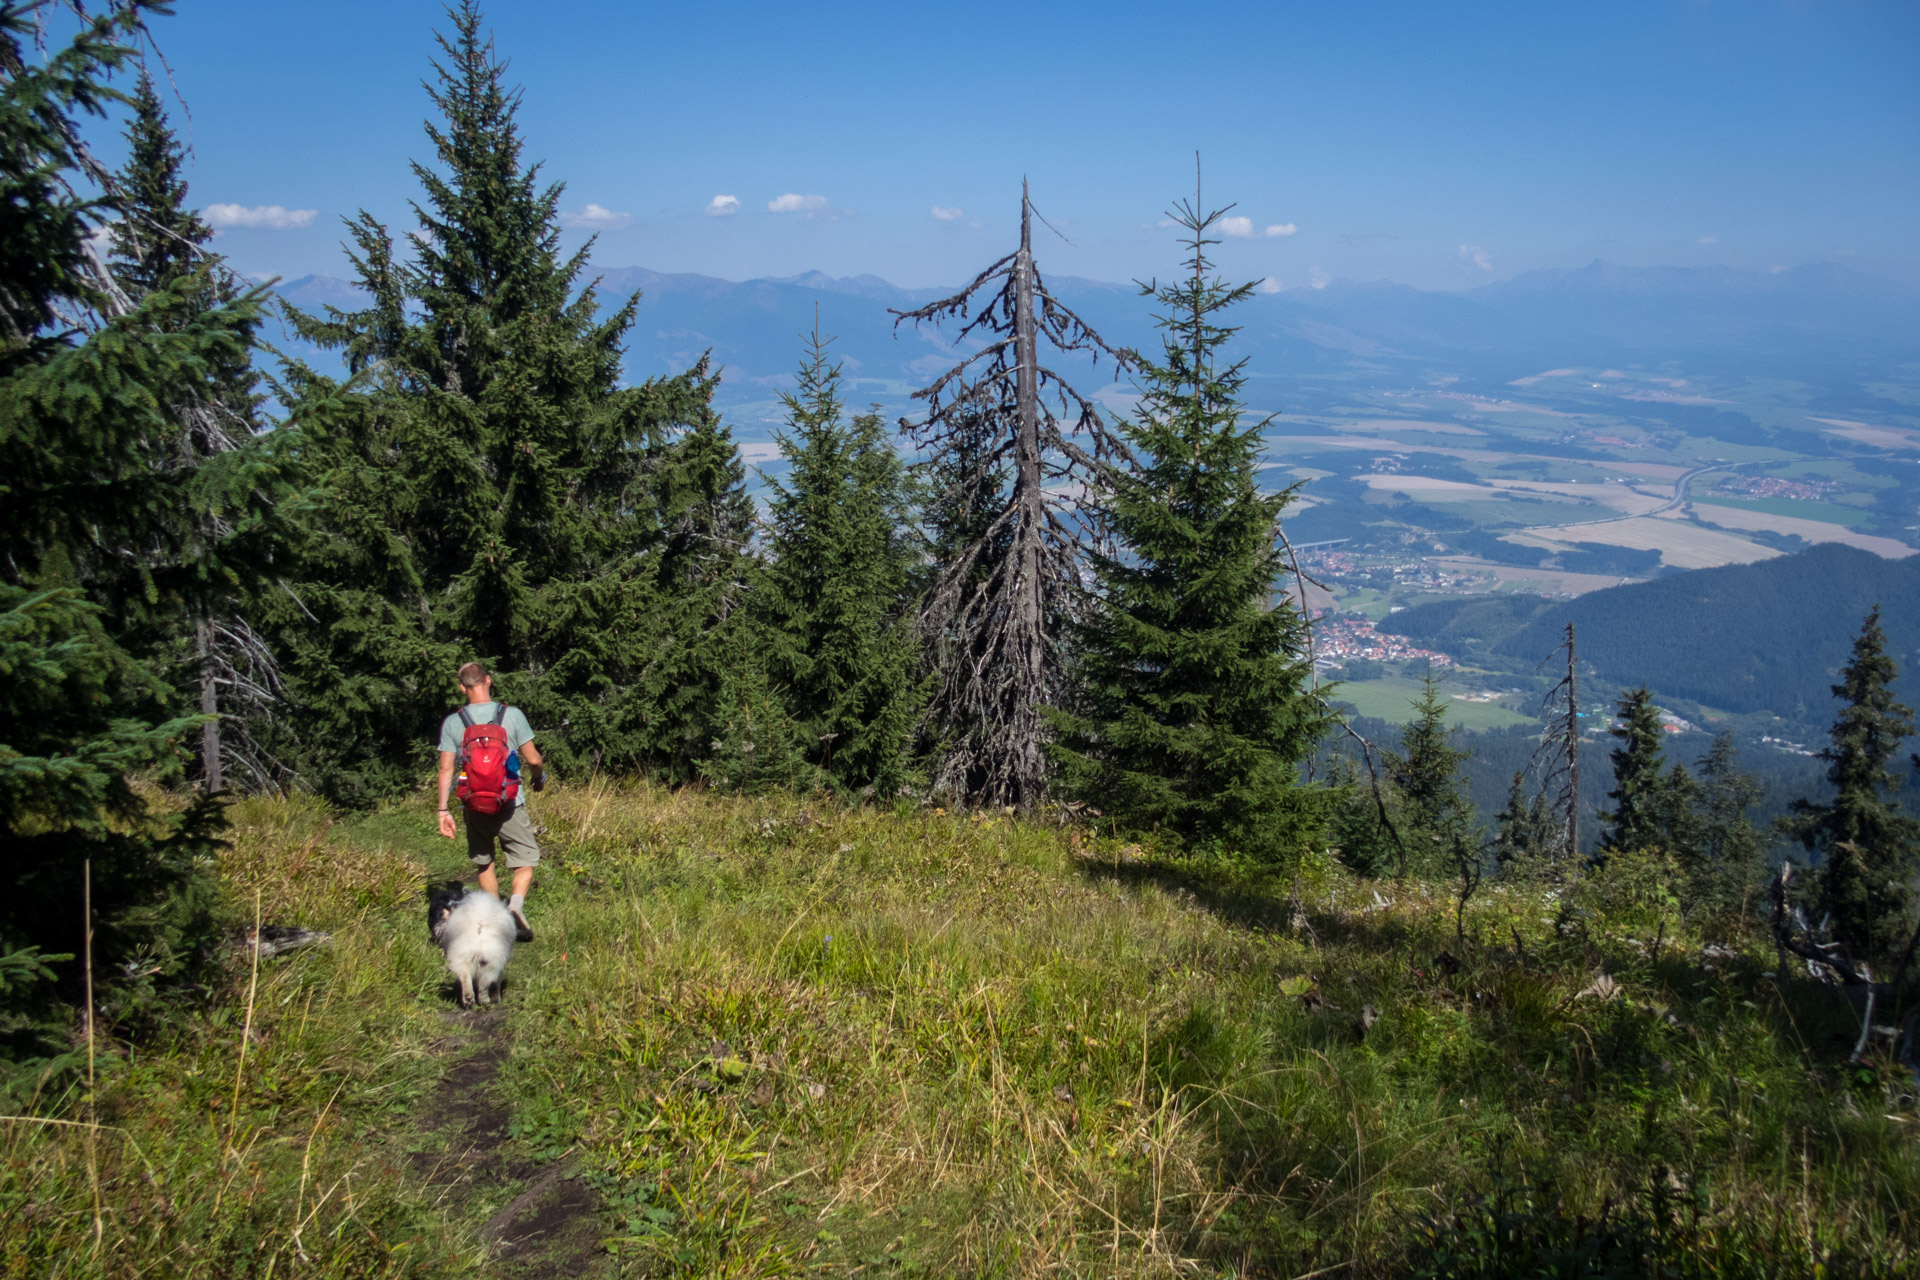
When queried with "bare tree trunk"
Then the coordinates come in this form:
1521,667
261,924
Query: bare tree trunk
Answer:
1029,624
995,600
1573,753
211,771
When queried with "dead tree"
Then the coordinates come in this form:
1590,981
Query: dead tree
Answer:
994,611
1559,753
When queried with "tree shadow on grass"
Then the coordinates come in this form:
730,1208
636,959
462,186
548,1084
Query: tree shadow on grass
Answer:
1589,1074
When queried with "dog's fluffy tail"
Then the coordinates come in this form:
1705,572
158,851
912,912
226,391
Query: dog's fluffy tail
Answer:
478,939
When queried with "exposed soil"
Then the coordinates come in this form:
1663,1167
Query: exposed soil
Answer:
551,1229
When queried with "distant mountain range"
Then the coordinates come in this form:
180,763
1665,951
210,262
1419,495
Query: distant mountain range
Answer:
1824,324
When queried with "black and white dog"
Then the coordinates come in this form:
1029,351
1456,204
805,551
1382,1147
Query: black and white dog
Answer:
475,932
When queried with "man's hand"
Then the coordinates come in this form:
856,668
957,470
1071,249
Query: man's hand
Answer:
446,824
539,780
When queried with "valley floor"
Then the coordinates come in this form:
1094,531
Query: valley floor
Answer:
780,1036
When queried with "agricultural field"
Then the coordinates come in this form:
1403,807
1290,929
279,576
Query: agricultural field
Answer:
1391,699
1574,479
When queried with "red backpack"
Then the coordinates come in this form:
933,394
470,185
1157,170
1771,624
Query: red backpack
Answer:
485,786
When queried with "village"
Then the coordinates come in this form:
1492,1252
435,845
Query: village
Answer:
1342,637
1778,487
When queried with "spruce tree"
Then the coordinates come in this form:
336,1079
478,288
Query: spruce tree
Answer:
526,510
231,479
1355,827
158,239
701,579
1427,775
85,383
1868,846
1193,718
1639,778
835,596
756,746
1526,831
1723,854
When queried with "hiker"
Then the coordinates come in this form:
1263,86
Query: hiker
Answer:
492,743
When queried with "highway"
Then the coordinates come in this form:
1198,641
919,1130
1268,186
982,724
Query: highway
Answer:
1681,485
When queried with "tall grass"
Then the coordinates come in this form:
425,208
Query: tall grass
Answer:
783,1037
289,1158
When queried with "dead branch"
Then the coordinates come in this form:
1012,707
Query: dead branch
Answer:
1792,935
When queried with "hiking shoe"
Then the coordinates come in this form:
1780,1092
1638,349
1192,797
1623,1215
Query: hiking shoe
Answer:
522,931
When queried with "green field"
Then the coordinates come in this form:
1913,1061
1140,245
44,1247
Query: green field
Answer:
1831,512
1391,699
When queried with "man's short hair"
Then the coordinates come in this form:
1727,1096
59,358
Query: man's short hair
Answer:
472,676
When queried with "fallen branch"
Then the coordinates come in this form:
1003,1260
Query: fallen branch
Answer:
1833,955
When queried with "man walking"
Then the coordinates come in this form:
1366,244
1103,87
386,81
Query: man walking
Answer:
508,824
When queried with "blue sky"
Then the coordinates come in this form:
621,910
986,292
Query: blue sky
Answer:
1438,145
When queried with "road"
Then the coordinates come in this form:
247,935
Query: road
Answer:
1681,485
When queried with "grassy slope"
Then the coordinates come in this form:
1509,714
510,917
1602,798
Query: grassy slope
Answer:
780,1037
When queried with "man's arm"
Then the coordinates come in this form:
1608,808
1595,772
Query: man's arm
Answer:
446,789
530,757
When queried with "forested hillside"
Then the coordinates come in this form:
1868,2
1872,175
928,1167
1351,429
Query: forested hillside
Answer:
1765,637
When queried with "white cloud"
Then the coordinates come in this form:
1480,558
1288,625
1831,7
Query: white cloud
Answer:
791,203
1708,240
1318,278
1243,229
1166,222
723,206
1271,285
947,213
596,218
268,217
1477,256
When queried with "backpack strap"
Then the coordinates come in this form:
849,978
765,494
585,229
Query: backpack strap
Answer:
500,716
465,718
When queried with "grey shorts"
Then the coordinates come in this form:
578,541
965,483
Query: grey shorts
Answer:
512,829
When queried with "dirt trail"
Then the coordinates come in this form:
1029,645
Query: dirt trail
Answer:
551,1229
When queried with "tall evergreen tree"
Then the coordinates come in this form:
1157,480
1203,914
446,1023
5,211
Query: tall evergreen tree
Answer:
1723,854
1526,831
701,579
1356,828
158,239
1427,774
1868,846
232,479
1639,778
526,510
85,384
1193,717
836,590
756,747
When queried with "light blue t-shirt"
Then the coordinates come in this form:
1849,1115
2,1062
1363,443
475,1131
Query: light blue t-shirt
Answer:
519,732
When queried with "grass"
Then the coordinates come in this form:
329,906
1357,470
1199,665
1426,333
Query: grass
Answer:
1391,698
1792,508
780,1036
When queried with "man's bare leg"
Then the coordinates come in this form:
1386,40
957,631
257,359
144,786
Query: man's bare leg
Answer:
522,881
